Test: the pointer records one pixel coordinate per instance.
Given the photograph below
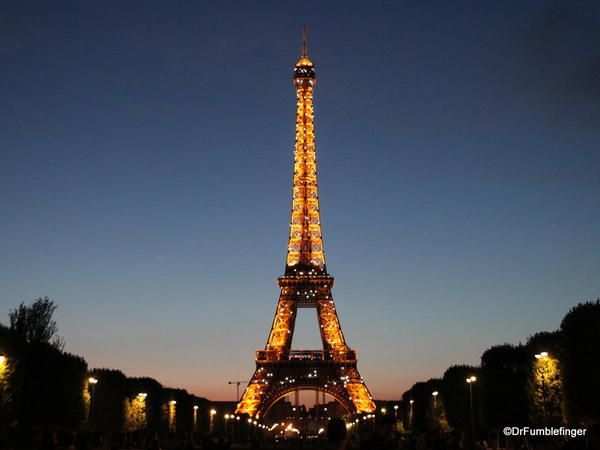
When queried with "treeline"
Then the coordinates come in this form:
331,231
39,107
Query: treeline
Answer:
551,380
48,394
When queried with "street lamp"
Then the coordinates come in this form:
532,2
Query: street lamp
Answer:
410,412
540,357
212,415
472,379
435,394
172,414
383,410
396,411
92,383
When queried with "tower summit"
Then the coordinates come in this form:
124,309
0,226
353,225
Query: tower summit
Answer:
305,284
305,244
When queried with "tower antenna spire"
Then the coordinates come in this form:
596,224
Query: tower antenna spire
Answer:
304,51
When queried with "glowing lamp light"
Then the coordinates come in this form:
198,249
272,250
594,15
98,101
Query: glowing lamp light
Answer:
411,402
383,410
142,395
2,359
173,402
226,416
395,406
212,411
92,380
435,393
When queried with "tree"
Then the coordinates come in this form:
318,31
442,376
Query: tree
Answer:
458,394
34,323
427,411
152,401
108,400
504,375
580,330
9,345
544,386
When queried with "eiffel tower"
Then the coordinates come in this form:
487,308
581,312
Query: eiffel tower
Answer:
305,284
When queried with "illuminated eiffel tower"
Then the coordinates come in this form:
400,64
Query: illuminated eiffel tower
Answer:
305,284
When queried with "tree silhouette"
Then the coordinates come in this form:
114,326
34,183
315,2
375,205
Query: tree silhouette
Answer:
580,331
457,397
34,323
504,375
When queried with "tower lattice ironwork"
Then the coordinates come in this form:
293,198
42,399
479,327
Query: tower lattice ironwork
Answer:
305,284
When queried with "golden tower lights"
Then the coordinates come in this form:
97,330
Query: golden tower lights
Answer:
305,284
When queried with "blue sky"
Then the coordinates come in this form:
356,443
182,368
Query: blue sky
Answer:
146,166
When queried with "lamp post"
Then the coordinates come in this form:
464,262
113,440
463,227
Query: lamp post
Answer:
92,383
540,358
470,381
139,419
227,417
410,412
396,411
195,417
435,413
212,419
172,415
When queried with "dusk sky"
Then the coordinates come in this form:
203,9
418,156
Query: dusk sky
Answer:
146,168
